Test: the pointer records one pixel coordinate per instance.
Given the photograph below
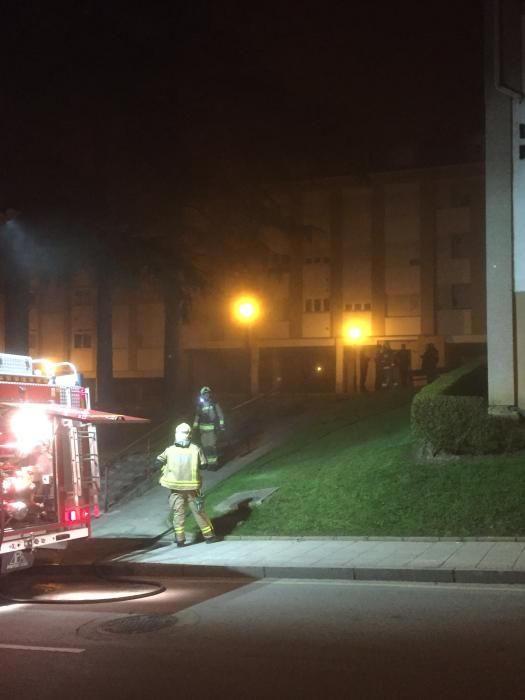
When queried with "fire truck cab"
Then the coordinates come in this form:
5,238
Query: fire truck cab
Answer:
49,464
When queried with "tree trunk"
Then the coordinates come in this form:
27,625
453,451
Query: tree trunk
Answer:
104,339
173,379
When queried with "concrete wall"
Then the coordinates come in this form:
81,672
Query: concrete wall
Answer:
499,231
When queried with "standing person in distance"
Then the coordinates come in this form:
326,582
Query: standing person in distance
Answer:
380,372
209,420
403,363
429,362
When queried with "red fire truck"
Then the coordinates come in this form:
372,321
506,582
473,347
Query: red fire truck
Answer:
49,466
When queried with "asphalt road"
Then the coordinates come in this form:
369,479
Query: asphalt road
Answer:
281,639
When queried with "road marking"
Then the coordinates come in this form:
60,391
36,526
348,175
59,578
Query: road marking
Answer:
61,650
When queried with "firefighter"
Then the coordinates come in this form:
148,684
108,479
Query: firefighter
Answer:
209,419
181,464
429,362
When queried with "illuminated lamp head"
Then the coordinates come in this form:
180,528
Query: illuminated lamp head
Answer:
246,309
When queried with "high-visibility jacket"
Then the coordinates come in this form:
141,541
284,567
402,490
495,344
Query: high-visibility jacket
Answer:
209,416
181,467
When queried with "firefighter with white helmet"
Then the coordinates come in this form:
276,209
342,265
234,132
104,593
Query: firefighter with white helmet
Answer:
209,419
181,464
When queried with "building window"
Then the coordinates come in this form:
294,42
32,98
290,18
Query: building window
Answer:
358,307
317,306
82,340
461,296
459,245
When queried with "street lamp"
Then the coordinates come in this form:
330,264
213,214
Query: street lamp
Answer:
355,333
246,310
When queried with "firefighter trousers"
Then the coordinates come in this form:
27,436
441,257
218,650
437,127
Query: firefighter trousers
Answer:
208,436
179,502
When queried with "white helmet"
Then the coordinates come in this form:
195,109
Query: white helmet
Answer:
182,434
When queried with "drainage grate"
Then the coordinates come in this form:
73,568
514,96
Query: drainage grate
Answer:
253,498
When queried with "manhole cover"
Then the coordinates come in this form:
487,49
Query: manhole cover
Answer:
138,624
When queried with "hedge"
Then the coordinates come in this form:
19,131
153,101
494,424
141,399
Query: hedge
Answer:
448,416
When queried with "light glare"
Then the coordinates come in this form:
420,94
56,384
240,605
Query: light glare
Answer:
246,309
31,426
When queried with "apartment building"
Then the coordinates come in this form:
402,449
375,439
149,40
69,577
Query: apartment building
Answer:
398,255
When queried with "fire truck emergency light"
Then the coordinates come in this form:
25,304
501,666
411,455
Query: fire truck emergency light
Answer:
31,426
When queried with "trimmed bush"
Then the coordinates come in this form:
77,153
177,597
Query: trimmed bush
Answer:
451,415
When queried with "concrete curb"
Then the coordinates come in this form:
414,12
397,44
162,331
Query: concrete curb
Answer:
370,538
422,575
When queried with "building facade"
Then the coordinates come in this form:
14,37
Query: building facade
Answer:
398,255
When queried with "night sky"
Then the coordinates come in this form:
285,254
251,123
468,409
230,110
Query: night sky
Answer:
141,103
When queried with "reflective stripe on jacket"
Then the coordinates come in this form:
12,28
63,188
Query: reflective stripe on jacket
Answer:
208,416
181,467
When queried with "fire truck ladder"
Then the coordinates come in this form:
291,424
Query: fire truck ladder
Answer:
85,462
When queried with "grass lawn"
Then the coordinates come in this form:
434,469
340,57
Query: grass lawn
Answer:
353,471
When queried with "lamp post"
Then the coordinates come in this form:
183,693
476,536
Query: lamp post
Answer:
246,310
356,336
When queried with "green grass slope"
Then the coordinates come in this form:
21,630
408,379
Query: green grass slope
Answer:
353,471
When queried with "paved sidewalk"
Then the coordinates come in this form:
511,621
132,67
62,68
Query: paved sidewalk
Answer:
428,560
146,515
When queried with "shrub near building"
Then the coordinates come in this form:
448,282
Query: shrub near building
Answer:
451,415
